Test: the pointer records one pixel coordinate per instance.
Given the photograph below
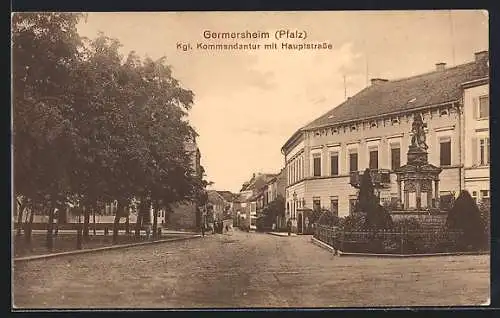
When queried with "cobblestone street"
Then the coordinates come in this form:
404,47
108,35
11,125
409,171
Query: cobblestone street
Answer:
242,269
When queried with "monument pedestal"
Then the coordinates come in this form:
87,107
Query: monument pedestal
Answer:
415,182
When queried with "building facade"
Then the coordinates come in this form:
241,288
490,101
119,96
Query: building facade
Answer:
185,215
251,199
477,139
372,129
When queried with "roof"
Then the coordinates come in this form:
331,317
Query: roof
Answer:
258,181
433,88
214,196
256,195
227,195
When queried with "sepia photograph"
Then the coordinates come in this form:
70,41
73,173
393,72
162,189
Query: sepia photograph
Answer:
227,160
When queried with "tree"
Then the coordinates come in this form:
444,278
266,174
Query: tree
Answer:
368,203
45,51
274,209
94,127
465,216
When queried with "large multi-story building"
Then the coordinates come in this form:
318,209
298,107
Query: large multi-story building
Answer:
372,129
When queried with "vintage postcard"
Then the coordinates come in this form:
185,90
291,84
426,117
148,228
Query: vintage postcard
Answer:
175,160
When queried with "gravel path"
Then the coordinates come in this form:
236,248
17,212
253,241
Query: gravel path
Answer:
242,269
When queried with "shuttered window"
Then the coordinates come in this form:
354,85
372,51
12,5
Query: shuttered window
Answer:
373,164
445,151
484,107
353,161
395,157
334,164
317,166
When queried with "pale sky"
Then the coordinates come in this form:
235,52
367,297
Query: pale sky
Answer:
248,103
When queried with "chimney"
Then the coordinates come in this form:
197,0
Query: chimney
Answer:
378,81
440,66
481,56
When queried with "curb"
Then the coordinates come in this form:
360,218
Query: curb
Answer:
317,242
99,249
413,255
340,253
284,235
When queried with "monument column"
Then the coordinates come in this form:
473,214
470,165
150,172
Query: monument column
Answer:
418,195
399,193
407,198
429,194
436,193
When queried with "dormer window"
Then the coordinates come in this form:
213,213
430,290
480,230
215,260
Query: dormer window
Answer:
373,124
443,112
353,128
317,133
395,121
335,131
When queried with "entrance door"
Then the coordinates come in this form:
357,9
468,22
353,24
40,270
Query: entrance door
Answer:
299,223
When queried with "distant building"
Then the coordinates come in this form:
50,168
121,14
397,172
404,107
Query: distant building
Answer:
251,198
372,129
273,189
186,215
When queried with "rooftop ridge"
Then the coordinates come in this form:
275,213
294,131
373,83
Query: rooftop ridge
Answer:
431,72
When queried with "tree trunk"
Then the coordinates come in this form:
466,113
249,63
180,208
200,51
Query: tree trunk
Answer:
155,220
138,224
116,222
127,223
29,225
50,227
93,216
20,212
86,221
59,213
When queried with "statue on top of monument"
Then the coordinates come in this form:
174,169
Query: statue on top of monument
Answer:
417,128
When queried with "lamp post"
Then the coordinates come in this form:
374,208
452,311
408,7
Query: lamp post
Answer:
294,205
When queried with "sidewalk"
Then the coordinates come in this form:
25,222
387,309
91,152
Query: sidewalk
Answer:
105,248
281,234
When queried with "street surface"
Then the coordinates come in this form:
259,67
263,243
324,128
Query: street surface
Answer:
242,269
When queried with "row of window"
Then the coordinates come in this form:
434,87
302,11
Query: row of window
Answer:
483,196
295,170
373,155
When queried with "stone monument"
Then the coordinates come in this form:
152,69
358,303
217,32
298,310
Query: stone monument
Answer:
418,181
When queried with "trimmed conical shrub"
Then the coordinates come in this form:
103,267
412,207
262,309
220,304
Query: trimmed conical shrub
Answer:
465,216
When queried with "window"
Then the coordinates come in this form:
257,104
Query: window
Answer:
484,107
334,206
485,196
373,159
334,164
484,146
352,205
445,151
446,200
474,196
353,161
316,203
317,166
395,157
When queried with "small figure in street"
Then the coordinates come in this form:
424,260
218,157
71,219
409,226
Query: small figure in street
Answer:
289,227
213,228
203,230
227,227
